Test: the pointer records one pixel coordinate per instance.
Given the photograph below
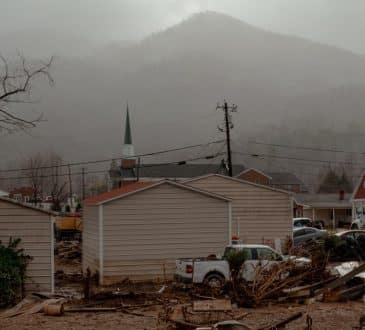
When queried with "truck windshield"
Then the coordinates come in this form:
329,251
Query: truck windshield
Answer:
230,249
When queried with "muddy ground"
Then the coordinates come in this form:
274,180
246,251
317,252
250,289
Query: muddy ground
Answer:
325,316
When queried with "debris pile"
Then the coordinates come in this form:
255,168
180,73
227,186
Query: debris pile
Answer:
70,250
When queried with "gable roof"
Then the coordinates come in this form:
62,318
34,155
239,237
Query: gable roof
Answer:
176,171
277,178
26,205
137,187
128,188
359,192
321,200
256,170
239,181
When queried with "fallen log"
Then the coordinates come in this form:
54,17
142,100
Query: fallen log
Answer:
345,294
125,311
125,306
90,309
199,296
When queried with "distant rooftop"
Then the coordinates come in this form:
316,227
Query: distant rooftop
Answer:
324,200
175,171
284,178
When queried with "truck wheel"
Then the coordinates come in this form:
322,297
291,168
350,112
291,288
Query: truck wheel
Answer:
215,281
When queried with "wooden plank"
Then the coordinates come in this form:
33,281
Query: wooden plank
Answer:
341,280
212,305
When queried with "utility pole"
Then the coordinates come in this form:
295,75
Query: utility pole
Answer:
83,182
228,126
70,185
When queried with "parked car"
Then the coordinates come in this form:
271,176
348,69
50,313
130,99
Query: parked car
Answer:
307,222
215,272
302,222
354,238
306,235
350,248
352,234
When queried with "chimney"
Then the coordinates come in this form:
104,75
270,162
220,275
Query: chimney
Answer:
341,195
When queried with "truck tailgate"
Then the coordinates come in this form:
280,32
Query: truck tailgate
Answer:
180,268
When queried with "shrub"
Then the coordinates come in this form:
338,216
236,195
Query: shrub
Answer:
13,265
236,259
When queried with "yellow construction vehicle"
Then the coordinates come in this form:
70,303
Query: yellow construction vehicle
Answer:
68,227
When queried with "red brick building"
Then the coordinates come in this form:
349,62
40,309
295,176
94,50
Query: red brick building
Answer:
280,180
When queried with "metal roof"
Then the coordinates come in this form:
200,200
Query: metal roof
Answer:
323,200
239,181
140,186
175,171
27,205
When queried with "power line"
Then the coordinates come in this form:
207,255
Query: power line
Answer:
181,162
111,159
328,162
304,173
306,148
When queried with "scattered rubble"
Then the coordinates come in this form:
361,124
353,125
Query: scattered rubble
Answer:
175,306
70,250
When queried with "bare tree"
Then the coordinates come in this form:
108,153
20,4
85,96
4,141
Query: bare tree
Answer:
15,87
56,181
35,173
43,172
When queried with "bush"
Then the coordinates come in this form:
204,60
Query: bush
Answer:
13,265
236,259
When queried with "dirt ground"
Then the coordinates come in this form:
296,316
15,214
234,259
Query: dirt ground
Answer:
339,316
325,316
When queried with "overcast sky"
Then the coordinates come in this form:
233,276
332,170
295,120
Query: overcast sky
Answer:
69,26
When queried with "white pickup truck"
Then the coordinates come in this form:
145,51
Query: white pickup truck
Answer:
215,272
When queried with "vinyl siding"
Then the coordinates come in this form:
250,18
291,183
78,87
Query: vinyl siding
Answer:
145,232
90,239
262,215
34,229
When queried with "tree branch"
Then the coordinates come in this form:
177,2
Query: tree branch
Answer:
16,84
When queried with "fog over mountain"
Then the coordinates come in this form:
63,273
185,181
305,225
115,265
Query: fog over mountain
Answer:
173,79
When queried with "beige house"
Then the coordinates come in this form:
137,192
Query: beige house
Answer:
138,231
34,227
260,214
